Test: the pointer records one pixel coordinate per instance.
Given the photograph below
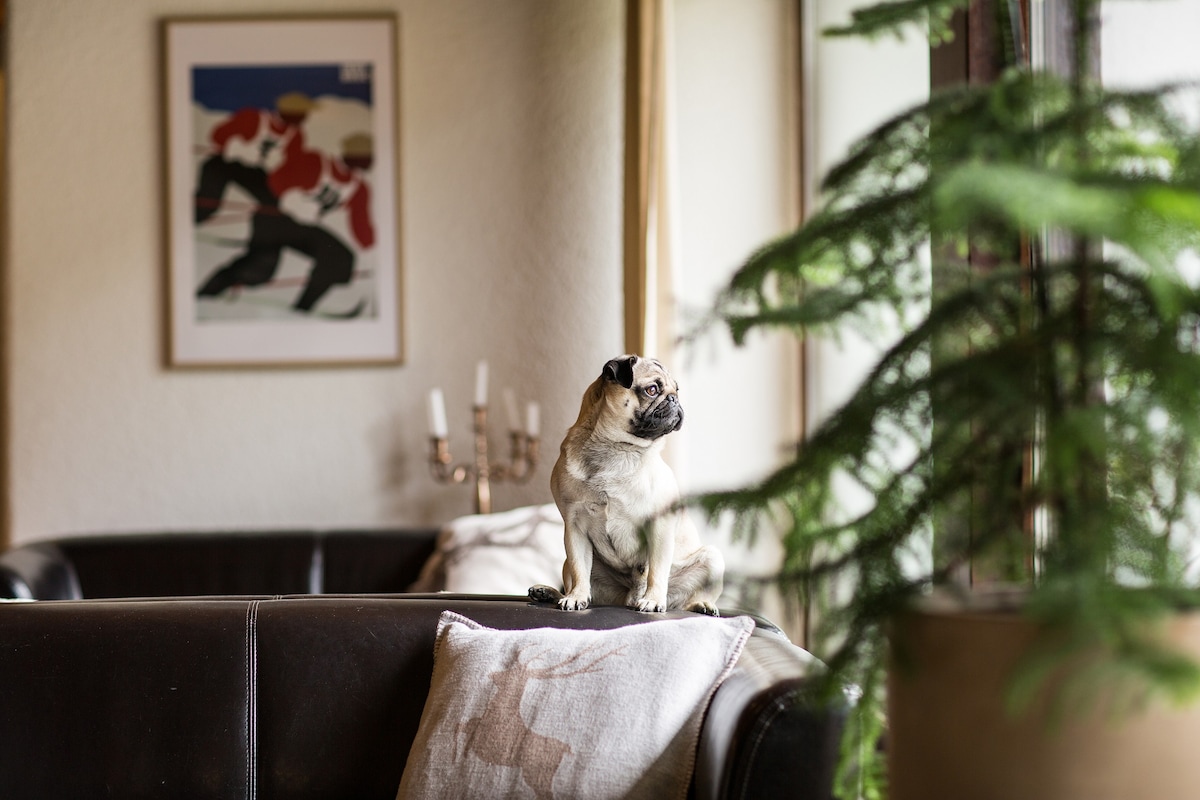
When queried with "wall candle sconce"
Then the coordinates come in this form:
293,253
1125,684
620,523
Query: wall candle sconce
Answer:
523,456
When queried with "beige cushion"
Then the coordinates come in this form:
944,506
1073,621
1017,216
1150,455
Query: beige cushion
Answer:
502,553
561,713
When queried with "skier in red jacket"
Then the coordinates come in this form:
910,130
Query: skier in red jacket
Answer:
310,185
247,148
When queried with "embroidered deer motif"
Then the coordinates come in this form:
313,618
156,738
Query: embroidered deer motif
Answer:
499,736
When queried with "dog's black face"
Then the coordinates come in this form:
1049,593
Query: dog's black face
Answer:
651,395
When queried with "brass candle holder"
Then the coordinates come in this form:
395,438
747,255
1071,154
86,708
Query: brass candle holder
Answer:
523,459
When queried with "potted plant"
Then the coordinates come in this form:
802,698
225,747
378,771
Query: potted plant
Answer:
1039,413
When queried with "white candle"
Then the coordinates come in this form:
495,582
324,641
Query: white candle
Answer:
481,380
437,413
510,407
533,419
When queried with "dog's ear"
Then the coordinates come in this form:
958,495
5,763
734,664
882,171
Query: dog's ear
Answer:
620,370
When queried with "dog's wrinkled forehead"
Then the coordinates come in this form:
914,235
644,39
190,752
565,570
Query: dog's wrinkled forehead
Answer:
635,372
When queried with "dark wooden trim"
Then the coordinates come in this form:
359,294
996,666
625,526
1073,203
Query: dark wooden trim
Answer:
948,60
988,37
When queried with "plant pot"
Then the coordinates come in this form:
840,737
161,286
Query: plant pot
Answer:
951,736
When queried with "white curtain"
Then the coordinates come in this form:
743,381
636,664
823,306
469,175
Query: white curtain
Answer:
651,275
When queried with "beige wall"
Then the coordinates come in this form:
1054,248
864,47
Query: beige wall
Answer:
510,195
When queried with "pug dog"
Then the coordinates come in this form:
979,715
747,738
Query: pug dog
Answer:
626,543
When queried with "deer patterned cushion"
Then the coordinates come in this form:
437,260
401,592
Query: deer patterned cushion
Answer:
502,553
560,713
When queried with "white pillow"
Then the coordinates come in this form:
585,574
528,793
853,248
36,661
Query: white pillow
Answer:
563,713
502,553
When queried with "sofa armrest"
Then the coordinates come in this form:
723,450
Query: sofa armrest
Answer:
38,571
767,733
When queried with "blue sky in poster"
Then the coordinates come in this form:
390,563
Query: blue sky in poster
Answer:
234,88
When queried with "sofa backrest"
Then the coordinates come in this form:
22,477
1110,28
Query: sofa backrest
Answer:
226,563
38,571
305,697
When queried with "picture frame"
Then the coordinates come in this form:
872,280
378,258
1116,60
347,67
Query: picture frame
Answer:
282,164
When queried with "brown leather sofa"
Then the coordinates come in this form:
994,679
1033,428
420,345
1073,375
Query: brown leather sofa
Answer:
320,697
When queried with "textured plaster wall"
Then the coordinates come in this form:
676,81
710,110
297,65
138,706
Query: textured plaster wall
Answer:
510,195
510,242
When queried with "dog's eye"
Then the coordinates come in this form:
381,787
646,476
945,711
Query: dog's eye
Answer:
651,390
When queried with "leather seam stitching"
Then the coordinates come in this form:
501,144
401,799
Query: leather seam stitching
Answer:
252,700
777,708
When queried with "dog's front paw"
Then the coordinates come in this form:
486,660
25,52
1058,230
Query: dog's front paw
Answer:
704,608
572,603
541,593
651,605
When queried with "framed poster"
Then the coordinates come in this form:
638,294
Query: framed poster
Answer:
282,214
